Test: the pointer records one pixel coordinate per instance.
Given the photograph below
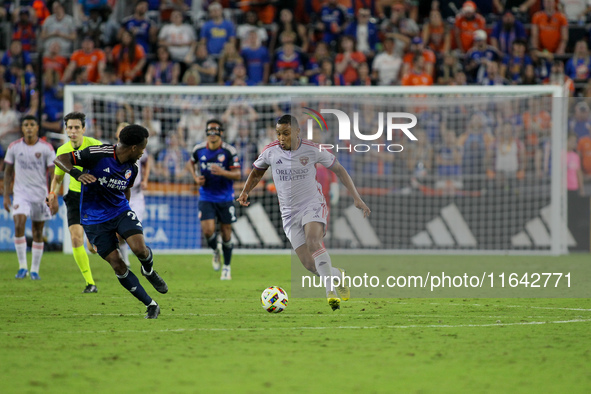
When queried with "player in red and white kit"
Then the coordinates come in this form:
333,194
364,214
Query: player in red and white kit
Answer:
28,161
303,207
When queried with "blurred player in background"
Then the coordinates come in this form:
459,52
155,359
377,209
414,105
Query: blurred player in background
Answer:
303,207
137,201
219,166
110,171
75,123
27,162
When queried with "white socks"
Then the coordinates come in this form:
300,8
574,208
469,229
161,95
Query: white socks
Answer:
20,244
37,254
324,268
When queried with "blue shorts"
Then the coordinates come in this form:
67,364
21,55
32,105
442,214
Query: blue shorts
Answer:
225,212
104,235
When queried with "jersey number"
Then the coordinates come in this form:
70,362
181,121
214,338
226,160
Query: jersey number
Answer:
134,218
232,210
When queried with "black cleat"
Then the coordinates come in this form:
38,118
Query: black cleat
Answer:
153,311
90,289
156,281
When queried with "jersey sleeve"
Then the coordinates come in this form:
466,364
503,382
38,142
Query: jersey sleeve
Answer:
134,172
9,158
325,158
50,156
85,158
262,162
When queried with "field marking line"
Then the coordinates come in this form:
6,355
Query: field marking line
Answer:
308,328
518,306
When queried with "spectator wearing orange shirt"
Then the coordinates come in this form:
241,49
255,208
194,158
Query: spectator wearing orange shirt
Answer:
91,59
129,58
348,60
417,48
466,24
417,75
53,60
584,149
549,29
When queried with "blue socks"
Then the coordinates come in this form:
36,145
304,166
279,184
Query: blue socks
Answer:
148,263
227,249
132,283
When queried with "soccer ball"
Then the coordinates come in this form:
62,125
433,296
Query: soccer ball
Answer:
274,299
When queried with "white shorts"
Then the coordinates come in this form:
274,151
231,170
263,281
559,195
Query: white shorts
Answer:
294,225
138,205
37,211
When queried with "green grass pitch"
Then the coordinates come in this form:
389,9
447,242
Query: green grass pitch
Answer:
214,337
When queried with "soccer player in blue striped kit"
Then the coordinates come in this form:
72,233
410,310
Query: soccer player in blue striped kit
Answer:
218,166
109,173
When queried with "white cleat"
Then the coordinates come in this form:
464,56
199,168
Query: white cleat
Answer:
226,273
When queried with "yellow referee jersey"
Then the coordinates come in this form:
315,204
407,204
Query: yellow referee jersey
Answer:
66,148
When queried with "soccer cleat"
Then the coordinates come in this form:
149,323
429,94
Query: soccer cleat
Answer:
216,260
226,273
156,281
153,311
90,289
343,290
21,274
333,300
35,276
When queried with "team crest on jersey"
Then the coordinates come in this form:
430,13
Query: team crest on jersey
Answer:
38,155
304,160
127,174
221,157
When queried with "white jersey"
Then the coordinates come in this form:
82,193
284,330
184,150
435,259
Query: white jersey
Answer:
136,189
294,174
30,168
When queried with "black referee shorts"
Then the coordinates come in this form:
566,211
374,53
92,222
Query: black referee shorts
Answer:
72,201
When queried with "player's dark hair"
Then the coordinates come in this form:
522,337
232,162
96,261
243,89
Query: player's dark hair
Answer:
75,115
29,117
214,121
290,120
134,134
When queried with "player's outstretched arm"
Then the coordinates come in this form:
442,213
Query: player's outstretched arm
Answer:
64,161
343,175
253,179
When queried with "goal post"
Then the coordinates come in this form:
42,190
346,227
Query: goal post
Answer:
413,210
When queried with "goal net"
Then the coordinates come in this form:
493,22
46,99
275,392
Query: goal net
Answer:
443,169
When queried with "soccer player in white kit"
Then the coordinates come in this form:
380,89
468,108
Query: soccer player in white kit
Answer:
302,204
28,161
137,201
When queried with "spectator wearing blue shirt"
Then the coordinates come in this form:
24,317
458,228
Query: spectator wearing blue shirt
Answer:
140,26
578,67
477,57
14,54
515,65
84,7
217,31
333,21
170,161
505,32
365,32
256,60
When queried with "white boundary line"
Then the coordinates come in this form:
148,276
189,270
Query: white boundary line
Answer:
307,328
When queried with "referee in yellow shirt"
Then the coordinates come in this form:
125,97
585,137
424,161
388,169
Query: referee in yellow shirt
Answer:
75,123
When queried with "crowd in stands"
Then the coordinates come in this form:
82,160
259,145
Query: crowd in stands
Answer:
288,43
